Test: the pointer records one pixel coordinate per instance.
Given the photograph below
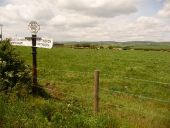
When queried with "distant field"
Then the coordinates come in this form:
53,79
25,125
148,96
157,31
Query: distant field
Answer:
134,85
158,46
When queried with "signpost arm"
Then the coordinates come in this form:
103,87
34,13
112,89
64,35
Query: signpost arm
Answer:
34,57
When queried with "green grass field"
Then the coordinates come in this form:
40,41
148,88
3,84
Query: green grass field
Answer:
134,85
165,46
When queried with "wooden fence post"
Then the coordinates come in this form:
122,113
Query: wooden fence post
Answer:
96,91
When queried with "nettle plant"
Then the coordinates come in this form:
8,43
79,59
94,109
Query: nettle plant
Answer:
14,73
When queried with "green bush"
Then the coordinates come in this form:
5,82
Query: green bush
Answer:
126,48
14,73
110,47
101,47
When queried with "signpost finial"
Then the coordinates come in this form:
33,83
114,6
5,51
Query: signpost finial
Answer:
34,27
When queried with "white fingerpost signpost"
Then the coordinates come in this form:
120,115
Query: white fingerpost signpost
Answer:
40,43
35,42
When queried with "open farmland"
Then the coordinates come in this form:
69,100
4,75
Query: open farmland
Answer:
134,85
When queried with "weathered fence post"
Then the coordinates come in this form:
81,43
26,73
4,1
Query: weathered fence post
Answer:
96,91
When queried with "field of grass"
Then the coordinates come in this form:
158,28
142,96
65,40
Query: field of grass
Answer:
134,85
152,47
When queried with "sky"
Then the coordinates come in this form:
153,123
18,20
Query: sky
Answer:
88,20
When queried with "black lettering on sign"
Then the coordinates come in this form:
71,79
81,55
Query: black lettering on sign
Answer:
47,41
42,44
17,43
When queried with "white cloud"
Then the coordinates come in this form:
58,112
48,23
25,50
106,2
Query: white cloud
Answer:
58,20
85,19
100,8
74,13
165,12
147,22
79,21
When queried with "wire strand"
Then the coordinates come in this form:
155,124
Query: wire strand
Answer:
53,70
143,80
131,78
138,96
74,84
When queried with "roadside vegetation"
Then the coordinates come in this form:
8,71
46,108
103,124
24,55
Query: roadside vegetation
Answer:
20,107
134,88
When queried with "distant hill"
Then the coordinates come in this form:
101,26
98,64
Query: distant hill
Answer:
113,42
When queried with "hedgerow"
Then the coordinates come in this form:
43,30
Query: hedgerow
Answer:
14,73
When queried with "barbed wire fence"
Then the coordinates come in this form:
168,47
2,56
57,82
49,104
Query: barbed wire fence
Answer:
92,95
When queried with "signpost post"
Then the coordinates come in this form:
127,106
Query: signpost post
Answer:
34,27
37,42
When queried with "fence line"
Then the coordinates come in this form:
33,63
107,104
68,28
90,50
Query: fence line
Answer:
150,81
63,83
106,90
131,78
143,80
53,70
135,95
140,60
87,99
120,92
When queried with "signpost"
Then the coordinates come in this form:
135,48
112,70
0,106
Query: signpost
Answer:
35,42
40,42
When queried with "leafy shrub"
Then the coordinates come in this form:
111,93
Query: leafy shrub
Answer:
126,48
101,47
14,73
85,45
110,47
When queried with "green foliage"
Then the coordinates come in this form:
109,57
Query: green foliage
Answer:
85,45
101,47
14,73
110,47
48,114
126,48
71,71
34,112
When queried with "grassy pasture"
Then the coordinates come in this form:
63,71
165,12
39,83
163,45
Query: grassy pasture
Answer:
133,84
152,46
